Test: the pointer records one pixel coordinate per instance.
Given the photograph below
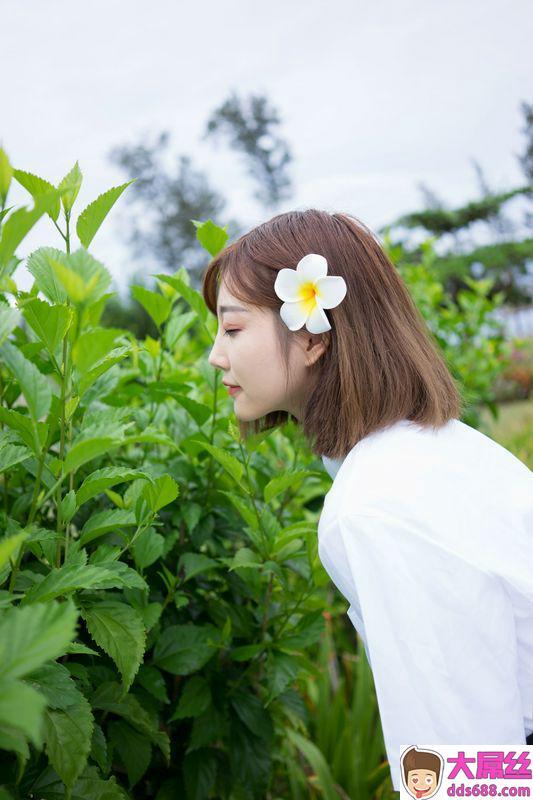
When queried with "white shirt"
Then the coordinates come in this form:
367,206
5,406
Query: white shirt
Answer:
429,536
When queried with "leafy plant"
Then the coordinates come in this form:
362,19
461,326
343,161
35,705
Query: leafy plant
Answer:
161,596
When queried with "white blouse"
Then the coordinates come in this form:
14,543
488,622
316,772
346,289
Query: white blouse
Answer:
429,537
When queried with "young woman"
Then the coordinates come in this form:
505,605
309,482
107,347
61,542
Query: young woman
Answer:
427,529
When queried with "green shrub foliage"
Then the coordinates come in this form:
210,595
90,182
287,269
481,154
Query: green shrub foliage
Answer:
161,597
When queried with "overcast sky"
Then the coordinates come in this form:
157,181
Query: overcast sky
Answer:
375,97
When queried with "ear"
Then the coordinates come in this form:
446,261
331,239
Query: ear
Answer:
315,345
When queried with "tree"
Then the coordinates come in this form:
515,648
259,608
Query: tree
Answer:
163,235
249,125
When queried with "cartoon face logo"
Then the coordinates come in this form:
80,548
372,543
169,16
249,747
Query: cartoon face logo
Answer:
421,772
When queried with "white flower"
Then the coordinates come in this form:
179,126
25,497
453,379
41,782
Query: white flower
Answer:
306,291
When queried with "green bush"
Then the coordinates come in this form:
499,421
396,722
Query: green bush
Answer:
162,601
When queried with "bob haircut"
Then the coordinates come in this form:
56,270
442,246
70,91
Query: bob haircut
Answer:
381,364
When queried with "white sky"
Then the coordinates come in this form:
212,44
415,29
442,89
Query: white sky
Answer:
374,97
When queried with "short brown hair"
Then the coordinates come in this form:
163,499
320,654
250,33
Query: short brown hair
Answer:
421,759
382,363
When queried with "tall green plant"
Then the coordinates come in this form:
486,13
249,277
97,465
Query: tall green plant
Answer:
161,596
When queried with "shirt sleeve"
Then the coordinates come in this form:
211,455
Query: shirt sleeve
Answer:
440,637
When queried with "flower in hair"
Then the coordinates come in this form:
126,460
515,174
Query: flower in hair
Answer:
307,291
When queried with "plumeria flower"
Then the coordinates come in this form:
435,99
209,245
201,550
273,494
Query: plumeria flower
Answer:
306,291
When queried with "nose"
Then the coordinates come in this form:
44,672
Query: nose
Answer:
217,357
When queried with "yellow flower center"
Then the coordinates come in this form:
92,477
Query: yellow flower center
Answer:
308,294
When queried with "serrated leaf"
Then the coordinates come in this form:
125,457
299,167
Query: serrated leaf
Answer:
211,236
33,384
67,735
162,492
154,303
182,649
22,707
30,636
9,546
93,215
119,630
232,466
194,699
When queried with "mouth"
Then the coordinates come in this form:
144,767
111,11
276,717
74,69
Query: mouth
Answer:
232,389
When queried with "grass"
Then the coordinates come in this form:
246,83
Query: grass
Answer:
513,429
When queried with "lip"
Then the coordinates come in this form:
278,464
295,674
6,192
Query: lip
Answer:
233,389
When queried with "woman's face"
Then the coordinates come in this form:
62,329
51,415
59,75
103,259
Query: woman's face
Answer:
246,349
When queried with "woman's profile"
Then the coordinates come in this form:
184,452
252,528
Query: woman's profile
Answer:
427,529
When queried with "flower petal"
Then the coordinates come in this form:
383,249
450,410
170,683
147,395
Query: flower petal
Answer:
317,321
287,284
331,290
311,267
294,315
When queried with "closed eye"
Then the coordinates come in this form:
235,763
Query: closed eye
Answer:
231,330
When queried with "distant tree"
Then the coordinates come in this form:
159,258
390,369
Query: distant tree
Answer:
526,159
249,124
162,234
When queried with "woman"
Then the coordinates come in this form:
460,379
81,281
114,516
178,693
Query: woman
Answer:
427,529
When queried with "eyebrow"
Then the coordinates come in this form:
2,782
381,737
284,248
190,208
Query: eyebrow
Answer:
223,309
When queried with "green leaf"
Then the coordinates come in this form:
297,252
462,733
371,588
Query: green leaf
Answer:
194,699
211,236
154,303
178,322
6,174
134,749
232,466
163,491
281,670
318,763
21,221
9,546
195,563
36,186
307,632
50,323
110,697
93,345
22,707
67,734
73,577
252,712
102,479
244,557
70,187
198,411
182,649
89,786
26,428
148,547
247,651
190,295
56,684
33,384
280,483
9,319
150,678
119,630
39,265
30,636
87,450
104,521
93,215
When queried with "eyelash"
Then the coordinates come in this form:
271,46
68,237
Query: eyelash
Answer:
231,330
